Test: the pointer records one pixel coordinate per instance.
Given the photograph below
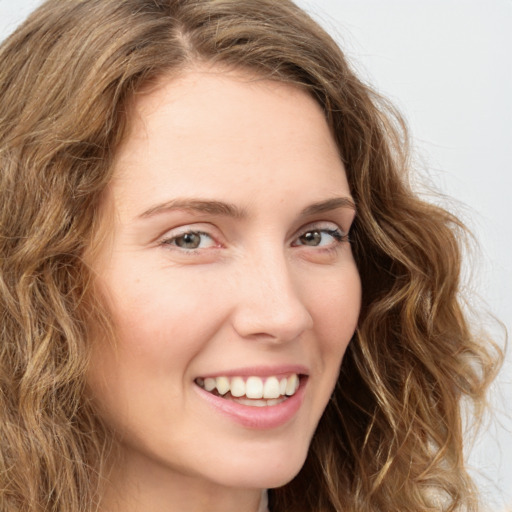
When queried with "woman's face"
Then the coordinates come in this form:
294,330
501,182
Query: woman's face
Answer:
228,265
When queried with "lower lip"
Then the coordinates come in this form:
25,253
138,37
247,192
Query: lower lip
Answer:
261,418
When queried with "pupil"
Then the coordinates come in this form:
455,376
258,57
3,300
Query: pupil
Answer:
189,241
311,238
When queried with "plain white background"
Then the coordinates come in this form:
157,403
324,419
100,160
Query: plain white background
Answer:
446,64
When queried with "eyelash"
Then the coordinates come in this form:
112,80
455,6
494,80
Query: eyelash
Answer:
337,234
172,241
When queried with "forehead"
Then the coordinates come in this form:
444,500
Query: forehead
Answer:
218,102
208,130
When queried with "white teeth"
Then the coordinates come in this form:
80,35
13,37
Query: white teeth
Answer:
292,384
254,387
210,384
282,386
271,388
222,385
259,403
275,401
254,390
237,386
251,402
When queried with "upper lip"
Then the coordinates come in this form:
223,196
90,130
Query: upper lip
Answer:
259,371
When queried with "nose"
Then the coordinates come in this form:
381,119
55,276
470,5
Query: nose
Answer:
268,302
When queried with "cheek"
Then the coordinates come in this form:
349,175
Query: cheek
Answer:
161,321
156,339
335,303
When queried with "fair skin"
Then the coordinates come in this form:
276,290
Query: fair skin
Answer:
227,259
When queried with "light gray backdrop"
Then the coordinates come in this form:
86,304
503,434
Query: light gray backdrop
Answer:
447,65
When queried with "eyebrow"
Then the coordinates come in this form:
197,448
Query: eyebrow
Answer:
197,205
230,210
328,205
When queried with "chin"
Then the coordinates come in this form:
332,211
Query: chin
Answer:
272,471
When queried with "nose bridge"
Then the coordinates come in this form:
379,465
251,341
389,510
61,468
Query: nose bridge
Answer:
269,301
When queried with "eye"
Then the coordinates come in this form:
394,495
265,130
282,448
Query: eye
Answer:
191,240
321,237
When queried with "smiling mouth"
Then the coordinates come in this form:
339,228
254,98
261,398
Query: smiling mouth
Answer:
253,391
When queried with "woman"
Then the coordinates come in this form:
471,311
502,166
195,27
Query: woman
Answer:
192,311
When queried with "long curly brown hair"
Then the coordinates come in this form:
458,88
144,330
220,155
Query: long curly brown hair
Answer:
391,438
